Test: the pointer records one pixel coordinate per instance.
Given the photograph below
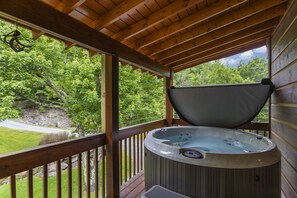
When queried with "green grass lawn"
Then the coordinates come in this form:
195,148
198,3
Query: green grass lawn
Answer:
13,140
37,186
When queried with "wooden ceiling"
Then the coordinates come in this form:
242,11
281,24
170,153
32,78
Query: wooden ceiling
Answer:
159,35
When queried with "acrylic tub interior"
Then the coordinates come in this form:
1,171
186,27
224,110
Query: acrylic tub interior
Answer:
220,162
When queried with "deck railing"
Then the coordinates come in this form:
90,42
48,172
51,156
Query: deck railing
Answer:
85,174
74,153
84,155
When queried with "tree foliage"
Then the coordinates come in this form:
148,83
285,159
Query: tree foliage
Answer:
47,75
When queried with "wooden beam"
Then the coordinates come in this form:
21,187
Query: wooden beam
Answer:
221,41
256,8
173,8
68,45
221,48
168,82
39,15
36,34
67,6
110,121
115,14
92,53
227,30
196,18
226,53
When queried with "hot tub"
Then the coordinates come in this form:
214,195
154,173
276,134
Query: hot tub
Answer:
212,162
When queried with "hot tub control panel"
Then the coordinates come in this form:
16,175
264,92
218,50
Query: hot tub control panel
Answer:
191,153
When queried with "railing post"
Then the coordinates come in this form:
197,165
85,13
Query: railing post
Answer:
110,121
168,107
268,45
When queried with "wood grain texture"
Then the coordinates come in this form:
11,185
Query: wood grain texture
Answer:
287,113
286,95
221,48
288,56
289,153
285,130
173,8
286,77
218,24
219,41
110,17
284,110
284,24
110,121
289,172
204,34
198,17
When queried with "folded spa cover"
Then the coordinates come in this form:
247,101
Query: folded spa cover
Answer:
227,106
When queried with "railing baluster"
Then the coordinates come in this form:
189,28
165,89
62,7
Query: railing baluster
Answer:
79,179
138,153
45,186
130,159
88,175
125,153
58,178
70,177
96,172
12,186
134,156
30,183
120,160
103,171
141,151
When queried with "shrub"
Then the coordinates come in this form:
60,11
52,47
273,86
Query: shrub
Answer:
53,137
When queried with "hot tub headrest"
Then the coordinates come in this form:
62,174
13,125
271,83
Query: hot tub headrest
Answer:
227,106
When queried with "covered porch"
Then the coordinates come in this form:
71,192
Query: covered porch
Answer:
161,38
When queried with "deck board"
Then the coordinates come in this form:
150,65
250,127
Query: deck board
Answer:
134,187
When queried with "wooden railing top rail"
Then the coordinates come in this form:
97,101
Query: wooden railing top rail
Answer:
251,126
16,162
137,129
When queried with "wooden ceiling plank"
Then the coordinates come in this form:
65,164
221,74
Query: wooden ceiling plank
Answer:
38,15
221,41
187,22
247,39
36,34
226,53
67,6
235,16
115,14
157,17
274,12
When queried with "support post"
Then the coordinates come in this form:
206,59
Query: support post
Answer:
268,45
168,107
110,121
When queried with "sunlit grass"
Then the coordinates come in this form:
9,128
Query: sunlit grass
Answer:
14,140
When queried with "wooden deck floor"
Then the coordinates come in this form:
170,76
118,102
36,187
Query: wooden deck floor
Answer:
134,187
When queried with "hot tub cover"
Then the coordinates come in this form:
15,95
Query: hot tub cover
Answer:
226,106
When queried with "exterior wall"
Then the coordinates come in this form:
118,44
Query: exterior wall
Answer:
284,100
